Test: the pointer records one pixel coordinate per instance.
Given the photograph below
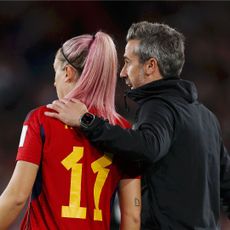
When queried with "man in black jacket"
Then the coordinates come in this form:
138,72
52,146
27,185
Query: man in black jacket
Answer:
186,168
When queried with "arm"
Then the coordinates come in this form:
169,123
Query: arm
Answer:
17,192
150,142
130,204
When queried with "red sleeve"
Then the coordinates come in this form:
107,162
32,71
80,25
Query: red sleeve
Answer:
30,144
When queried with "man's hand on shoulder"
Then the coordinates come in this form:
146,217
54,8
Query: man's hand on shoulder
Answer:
67,111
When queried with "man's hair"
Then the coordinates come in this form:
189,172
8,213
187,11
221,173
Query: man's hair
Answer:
161,42
95,58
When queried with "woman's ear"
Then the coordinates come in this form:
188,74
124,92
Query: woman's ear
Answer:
70,74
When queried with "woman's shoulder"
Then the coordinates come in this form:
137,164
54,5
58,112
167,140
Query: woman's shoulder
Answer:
37,113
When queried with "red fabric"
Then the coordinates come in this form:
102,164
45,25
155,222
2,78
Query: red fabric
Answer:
45,210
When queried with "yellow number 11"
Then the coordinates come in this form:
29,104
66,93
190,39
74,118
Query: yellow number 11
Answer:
74,210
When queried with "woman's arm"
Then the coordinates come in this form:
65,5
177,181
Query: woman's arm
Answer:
17,192
130,204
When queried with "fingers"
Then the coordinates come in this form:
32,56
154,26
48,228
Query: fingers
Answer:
56,105
62,103
59,103
67,102
64,100
52,114
67,111
75,100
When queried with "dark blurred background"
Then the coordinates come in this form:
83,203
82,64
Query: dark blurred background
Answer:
31,32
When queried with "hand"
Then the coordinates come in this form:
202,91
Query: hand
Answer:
67,111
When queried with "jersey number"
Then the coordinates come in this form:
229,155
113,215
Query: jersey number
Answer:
74,210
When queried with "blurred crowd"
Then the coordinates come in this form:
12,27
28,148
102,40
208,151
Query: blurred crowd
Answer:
31,32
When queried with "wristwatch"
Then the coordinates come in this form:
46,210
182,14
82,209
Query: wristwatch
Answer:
87,119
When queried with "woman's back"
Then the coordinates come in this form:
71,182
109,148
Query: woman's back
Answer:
76,182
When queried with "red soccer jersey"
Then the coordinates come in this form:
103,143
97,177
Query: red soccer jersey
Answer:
75,183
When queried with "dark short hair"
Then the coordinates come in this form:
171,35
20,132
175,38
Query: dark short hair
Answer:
161,42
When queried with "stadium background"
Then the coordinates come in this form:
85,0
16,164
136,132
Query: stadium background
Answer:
31,32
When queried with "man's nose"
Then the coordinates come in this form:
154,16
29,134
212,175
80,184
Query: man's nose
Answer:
123,73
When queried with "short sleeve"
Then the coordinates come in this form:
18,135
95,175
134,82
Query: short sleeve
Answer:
30,144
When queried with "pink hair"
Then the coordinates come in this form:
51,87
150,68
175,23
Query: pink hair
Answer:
97,83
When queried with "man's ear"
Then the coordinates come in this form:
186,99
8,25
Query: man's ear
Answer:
70,73
150,66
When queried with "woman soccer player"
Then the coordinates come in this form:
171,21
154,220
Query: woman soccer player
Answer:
71,184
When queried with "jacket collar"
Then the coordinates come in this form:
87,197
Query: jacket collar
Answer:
169,87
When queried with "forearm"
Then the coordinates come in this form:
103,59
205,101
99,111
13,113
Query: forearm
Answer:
130,204
130,222
132,144
17,192
10,207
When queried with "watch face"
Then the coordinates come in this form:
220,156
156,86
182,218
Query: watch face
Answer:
87,119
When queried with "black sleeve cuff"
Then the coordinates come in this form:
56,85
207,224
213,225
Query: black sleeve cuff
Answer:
94,128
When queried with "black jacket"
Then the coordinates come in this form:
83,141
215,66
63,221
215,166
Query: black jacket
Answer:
186,173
